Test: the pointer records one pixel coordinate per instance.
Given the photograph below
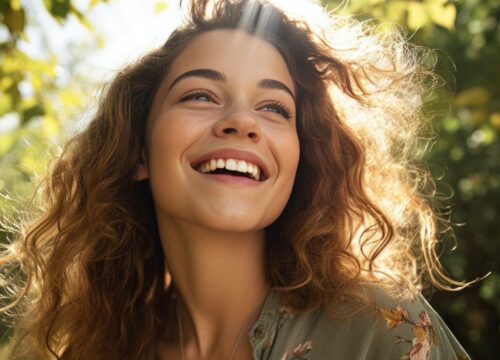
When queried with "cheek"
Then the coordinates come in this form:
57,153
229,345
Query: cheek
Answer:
169,137
167,143
287,151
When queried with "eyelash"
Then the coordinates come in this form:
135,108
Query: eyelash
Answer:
281,108
194,94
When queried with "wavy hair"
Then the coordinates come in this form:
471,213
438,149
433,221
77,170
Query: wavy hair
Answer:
87,278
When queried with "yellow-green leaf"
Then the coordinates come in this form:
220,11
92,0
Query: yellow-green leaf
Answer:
36,82
48,4
5,82
395,11
50,125
15,5
489,134
24,37
160,6
442,13
385,28
70,98
5,103
6,141
83,20
417,16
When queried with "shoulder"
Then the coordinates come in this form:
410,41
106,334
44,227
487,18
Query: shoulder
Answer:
415,329
394,329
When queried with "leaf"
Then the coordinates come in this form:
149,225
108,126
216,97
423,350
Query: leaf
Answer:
48,4
395,11
394,317
442,12
6,141
70,98
15,5
419,332
83,20
417,16
160,6
31,112
489,134
36,82
5,82
5,104
58,8
23,36
14,20
50,125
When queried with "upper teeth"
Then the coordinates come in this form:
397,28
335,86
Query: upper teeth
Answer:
232,165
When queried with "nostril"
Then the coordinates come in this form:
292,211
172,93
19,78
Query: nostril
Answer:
229,130
252,135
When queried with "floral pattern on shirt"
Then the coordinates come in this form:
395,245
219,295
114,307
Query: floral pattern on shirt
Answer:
423,333
298,352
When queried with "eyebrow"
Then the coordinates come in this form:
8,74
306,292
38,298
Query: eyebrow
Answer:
204,73
218,76
275,84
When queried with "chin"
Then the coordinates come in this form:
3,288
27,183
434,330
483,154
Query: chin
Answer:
234,220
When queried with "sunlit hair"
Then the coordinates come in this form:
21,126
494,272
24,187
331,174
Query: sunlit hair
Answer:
91,268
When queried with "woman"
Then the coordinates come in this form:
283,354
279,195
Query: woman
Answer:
244,192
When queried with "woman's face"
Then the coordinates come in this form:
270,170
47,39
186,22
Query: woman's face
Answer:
222,145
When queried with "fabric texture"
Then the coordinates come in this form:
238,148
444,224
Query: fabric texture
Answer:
396,330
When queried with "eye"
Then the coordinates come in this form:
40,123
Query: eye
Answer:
198,95
276,107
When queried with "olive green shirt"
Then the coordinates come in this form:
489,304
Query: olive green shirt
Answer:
400,330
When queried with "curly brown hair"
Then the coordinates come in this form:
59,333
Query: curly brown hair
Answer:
88,277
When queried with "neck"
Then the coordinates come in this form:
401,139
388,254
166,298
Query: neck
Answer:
219,277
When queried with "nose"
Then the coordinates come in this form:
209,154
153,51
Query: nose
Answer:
239,123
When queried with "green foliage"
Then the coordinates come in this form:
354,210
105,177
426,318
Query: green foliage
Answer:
58,8
36,115
467,150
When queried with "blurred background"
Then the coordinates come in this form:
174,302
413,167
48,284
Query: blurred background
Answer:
54,54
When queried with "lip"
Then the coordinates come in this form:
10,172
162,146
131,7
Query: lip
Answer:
235,154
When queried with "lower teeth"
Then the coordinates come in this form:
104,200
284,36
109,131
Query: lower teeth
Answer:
233,173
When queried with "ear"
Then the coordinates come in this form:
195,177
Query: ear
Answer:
142,173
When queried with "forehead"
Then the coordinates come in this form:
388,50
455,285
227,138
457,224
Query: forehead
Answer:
238,55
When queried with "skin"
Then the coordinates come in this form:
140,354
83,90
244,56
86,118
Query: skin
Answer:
212,227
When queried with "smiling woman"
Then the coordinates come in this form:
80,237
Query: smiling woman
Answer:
244,192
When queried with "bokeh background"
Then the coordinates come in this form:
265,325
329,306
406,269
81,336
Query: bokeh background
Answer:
54,54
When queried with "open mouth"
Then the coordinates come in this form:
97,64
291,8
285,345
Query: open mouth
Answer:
231,167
